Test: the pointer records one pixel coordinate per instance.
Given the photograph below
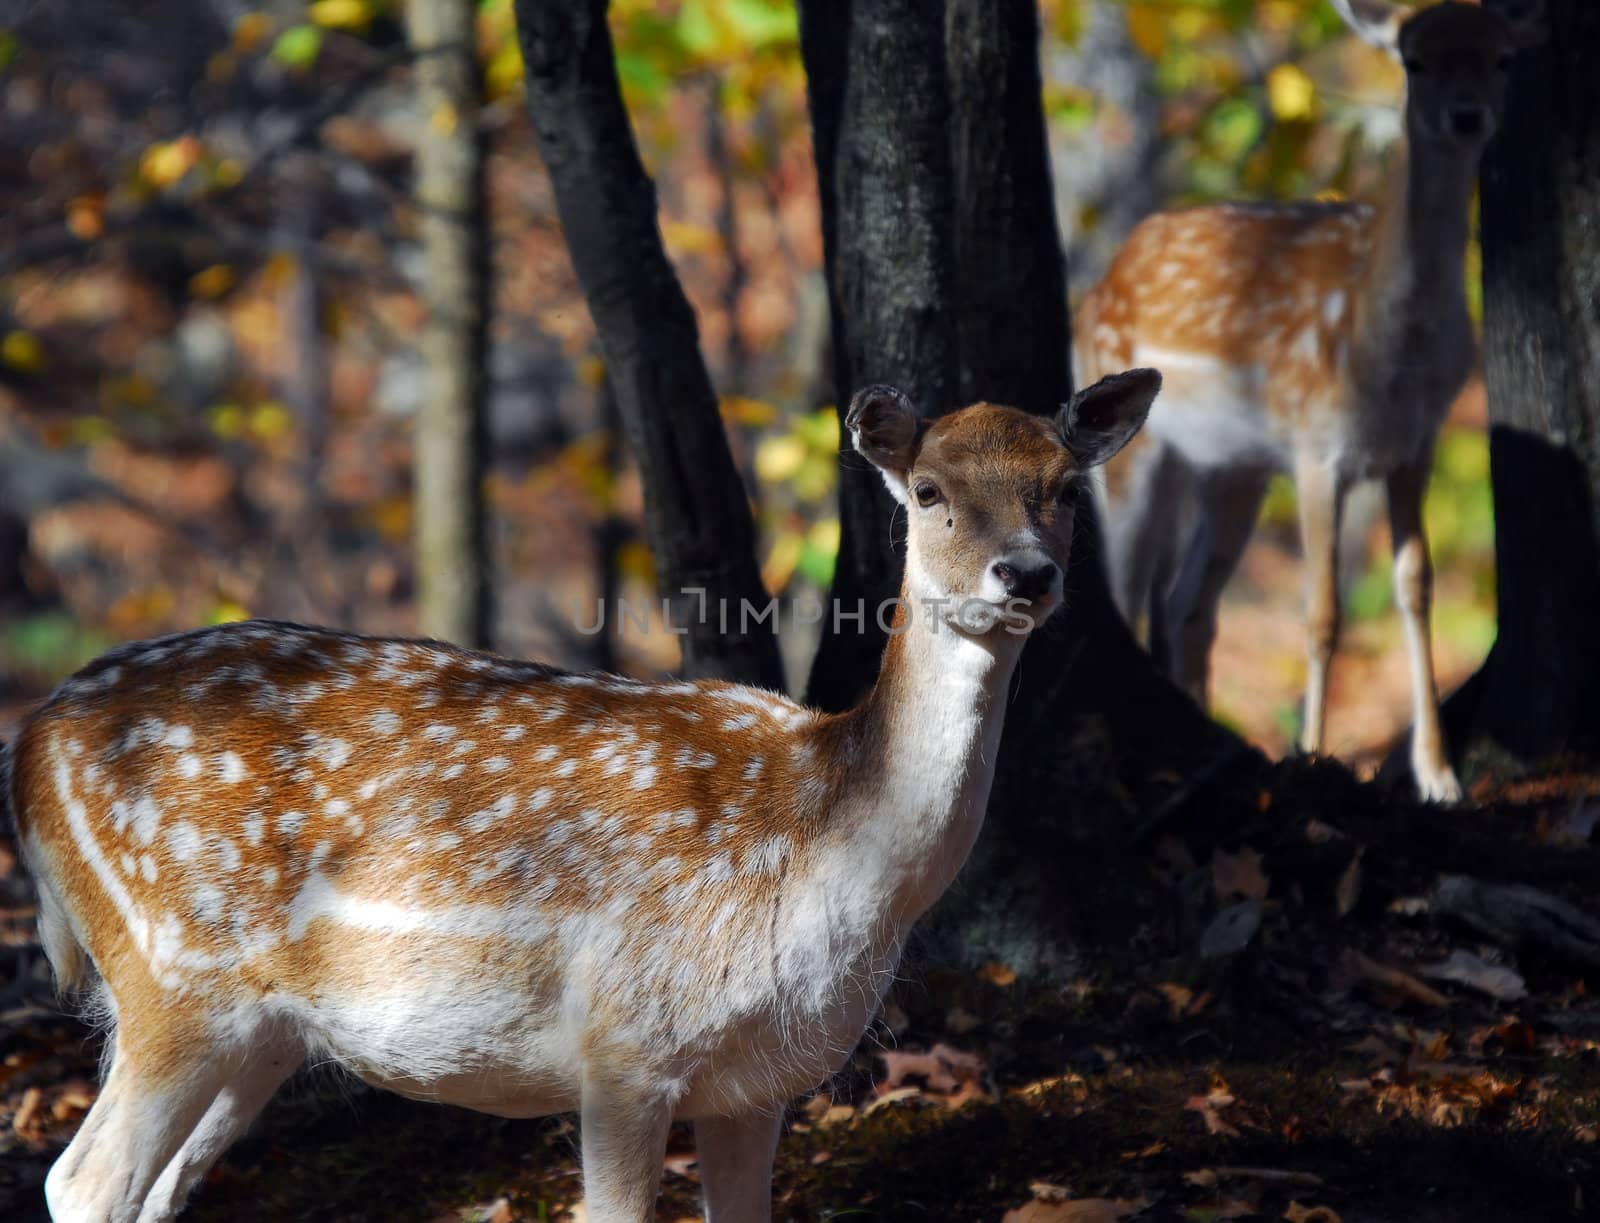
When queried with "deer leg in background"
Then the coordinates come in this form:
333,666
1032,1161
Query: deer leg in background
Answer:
1227,504
1413,595
1321,496
735,1155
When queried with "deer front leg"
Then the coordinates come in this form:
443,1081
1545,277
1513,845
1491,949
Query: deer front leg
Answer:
1321,497
736,1165
624,1136
1413,595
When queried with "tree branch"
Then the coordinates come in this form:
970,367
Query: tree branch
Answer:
697,516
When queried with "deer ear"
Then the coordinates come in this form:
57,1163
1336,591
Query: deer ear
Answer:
1529,21
1102,418
1376,22
885,428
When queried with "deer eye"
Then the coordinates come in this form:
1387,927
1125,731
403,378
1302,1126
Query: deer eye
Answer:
927,493
1064,493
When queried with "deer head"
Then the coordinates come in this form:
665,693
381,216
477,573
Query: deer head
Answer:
989,493
1457,58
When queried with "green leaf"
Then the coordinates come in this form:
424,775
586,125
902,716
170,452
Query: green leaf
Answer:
1233,128
640,75
762,23
298,46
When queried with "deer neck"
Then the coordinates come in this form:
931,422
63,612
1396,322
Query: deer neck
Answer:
921,749
1415,277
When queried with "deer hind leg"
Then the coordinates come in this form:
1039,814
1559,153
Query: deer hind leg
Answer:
736,1165
240,1101
1138,500
1413,594
159,1087
1226,505
624,1136
1321,496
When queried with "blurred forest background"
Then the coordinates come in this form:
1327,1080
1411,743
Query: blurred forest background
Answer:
211,310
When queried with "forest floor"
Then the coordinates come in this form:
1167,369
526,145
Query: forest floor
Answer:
1279,1018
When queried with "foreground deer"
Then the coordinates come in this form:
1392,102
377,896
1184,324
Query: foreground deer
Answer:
501,886
1328,340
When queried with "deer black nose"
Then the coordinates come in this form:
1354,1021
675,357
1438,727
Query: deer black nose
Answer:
1469,120
1025,583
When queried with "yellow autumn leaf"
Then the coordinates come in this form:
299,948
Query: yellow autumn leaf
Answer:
340,14
226,611
1147,29
22,351
227,421
824,535
213,282
783,560
270,420
742,410
165,162
687,238
1291,94
778,458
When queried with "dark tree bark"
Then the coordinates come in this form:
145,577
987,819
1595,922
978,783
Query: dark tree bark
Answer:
1084,685
1538,693
947,278
452,570
697,517
891,270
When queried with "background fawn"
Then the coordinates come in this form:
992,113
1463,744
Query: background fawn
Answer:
493,884
1325,339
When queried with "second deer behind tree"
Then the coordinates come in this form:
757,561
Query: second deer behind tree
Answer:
1328,340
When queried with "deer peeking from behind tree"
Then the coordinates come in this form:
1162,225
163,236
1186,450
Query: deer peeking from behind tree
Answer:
1328,340
494,884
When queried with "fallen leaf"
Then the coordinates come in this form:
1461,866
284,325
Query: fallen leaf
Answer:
1231,930
1496,980
942,1068
892,1097
1083,1210
1319,833
28,1111
1347,894
996,973
1207,1107
1155,1148
1296,1213
1402,983
1238,874
1178,997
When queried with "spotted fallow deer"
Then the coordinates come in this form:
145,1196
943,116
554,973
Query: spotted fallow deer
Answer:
498,885
1325,339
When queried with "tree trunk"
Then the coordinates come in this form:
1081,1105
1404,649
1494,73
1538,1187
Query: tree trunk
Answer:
1538,693
697,516
452,575
1089,711
891,268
